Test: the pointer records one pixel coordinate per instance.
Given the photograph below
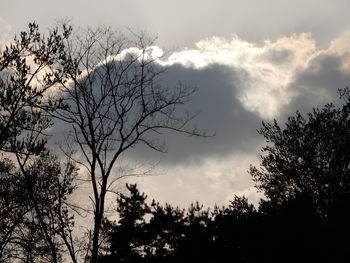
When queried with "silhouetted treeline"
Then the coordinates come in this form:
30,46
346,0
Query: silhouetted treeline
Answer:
305,215
292,231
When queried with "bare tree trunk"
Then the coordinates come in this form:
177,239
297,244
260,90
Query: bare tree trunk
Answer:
99,213
95,237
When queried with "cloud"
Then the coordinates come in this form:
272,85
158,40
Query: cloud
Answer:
220,113
266,69
5,33
5,29
326,72
214,181
239,85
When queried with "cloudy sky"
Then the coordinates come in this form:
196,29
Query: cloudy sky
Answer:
251,60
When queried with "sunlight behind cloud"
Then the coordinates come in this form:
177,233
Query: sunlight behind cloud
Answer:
269,67
340,47
266,70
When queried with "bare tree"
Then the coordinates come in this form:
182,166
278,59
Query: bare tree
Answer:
115,101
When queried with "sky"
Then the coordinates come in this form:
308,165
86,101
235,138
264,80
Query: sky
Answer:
251,60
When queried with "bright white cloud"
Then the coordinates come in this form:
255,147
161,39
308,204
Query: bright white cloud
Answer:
340,47
269,67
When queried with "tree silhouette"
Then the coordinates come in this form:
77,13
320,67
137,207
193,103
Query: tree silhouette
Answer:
34,185
35,222
305,170
106,88
115,101
128,236
308,157
162,233
236,232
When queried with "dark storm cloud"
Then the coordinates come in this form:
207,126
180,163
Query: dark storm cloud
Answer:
220,113
316,77
318,84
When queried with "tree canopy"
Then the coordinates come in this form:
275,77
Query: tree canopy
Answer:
308,157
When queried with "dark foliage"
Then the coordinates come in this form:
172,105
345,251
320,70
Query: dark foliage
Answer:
34,210
35,225
291,231
304,175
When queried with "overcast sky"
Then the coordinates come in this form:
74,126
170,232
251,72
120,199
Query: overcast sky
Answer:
252,60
